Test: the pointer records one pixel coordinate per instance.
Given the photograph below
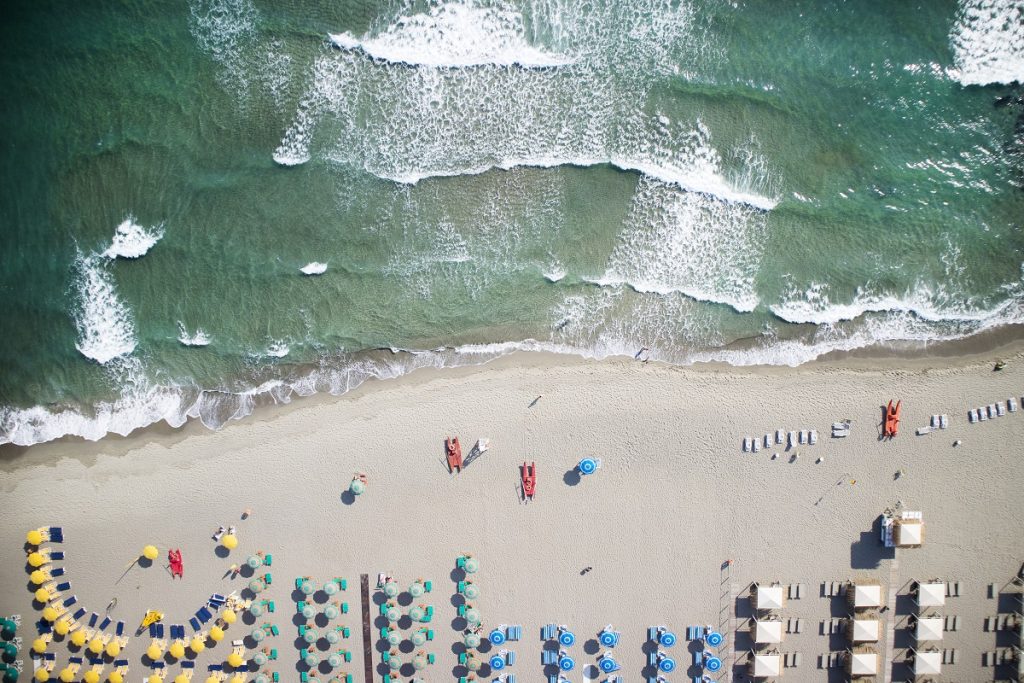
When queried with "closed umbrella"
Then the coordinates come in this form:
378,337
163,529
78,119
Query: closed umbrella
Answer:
332,636
256,609
38,577
390,589
419,662
473,616
331,587
258,634
311,636
254,561
331,611
114,649
418,638
307,587
229,616
311,659
416,613
416,589
229,541
36,559
472,640
472,591
150,552
472,565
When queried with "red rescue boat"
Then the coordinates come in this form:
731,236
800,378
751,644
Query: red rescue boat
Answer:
891,426
529,476
453,450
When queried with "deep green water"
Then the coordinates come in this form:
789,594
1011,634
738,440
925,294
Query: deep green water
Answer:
753,182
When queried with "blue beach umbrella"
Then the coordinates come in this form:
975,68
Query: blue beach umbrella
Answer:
608,638
497,662
667,664
713,663
496,637
587,466
606,664
667,639
566,638
566,663
715,638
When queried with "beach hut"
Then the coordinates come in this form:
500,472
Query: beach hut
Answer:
865,595
927,663
931,594
862,662
766,631
769,598
765,665
908,532
928,628
864,630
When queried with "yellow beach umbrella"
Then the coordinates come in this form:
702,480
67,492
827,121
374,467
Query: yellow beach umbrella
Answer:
235,660
34,537
36,559
78,638
115,677
39,646
42,595
212,679
181,678
153,651
216,634
38,577
91,677
150,552
229,541
67,675
42,675
96,646
229,617
50,614
62,627
177,649
238,678
197,645
154,679
113,649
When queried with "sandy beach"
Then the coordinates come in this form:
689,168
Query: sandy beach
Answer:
675,499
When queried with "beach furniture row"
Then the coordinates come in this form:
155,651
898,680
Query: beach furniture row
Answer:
802,437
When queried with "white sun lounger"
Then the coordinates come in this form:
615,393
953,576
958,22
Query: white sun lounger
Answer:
943,421
982,413
746,444
935,421
757,446
780,437
792,439
972,416
1000,409
767,440
812,437
803,436
1011,404
991,410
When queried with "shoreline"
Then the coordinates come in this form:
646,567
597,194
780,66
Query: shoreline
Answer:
961,353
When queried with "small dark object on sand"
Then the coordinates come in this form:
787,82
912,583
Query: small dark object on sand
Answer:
585,570
999,365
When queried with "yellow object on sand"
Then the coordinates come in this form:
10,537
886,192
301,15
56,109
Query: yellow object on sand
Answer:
153,651
78,638
38,577
177,649
155,679
91,677
42,595
238,678
39,646
229,541
181,678
50,614
216,634
235,660
115,677
36,560
152,616
113,649
62,627
197,645
150,552
229,617
42,675
34,537
67,675
212,679
96,646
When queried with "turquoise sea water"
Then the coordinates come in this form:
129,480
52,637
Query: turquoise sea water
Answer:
752,182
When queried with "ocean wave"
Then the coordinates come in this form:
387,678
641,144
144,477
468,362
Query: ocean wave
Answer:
131,240
454,35
198,338
277,349
106,329
988,42
314,268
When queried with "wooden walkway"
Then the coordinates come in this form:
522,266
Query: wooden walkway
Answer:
364,587
890,623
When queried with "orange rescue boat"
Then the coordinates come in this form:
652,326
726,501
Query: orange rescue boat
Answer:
891,426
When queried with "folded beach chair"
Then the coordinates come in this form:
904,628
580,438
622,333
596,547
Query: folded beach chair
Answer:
56,534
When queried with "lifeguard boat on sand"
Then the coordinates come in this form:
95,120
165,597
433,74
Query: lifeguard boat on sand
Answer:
453,451
529,477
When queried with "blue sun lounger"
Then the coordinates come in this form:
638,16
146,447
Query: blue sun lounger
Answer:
119,630
548,657
203,614
514,632
93,618
188,664
548,632
56,555
194,623
56,571
79,614
178,632
43,626
152,630
56,534
70,601
66,586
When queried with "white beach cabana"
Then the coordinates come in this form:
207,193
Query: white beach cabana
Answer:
767,632
928,628
909,533
931,594
866,595
927,663
766,666
864,630
863,663
769,597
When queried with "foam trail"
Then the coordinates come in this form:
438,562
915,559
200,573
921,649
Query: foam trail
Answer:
314,268
199,338
131,240
106,329
988,42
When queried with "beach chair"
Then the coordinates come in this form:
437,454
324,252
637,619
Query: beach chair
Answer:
194,623
203,614
268,560
548,632
152,628
547,657
1000,409
277,677
214,667
56,571
460,561
428,586
345,633
747,444
79,613
70,601
430,634
268,579
56,534
273,654
461,610
802,438
812,437
428,613
972,416
104,624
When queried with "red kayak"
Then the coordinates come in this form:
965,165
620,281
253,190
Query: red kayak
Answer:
453,450
529,476
891,426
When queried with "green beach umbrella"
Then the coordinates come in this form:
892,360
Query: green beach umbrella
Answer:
11,676
332,637
258,634
311,636
307,587
416,589
472,640
256,609
419,662
259,659
357,487
394,663
308,611
311,659
394,637
418,638
335,660
393,614
331,611
331,587
473,664
472,591
254,561
473,616
256,586
416,613
472,565
261,677
391,589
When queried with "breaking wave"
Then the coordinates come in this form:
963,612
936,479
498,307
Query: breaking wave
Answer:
106,329
131,240
988,42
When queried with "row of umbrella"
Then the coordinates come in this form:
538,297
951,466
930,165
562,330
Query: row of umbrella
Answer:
308,587
334,660
419,661
418,638
416,589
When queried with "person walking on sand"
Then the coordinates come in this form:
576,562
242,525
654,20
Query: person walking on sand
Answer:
640,352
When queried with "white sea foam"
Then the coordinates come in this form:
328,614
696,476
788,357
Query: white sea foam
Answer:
198,338
454,34
988,42
314,268
226,31
106,329
131,240
277,349
554,272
